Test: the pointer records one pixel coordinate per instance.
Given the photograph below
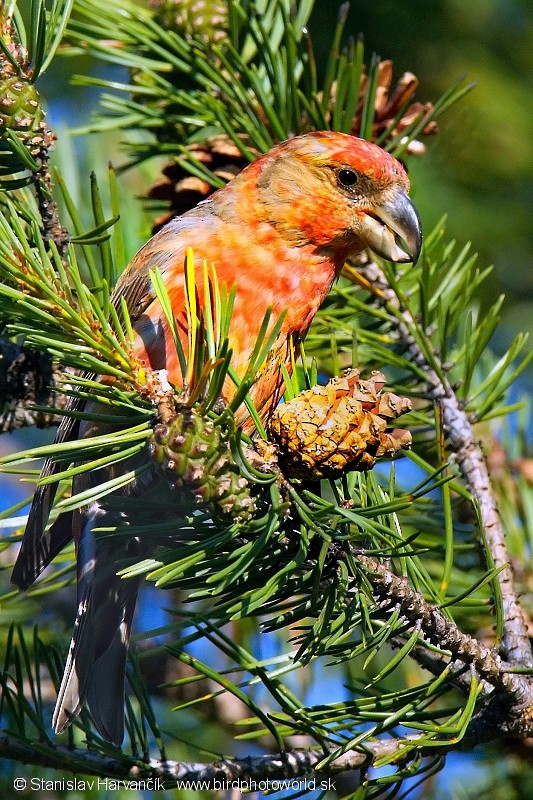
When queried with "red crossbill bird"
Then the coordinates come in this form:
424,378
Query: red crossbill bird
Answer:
280,232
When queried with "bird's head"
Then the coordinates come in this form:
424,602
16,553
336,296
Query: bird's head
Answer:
338,193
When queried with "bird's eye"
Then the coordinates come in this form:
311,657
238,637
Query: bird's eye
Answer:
347,178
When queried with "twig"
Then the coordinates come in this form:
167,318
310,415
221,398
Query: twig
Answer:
515,639
53,230
436,662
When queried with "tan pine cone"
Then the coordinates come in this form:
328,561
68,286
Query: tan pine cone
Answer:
329,430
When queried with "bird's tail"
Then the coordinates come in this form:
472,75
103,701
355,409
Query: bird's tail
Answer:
96,663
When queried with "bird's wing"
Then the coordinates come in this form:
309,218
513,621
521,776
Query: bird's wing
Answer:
40,545
162,252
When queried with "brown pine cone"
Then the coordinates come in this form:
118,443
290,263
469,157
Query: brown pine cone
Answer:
388,104
329,430
184,191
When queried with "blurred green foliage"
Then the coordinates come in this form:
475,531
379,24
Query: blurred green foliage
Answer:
480,172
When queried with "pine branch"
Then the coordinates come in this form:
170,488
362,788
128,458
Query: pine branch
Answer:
221,774
437,662
26,140
471,461
218,774
233,773
436,628
53,230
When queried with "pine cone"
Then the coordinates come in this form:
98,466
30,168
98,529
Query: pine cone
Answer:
193,18
21,112
202,21
195,456
184,191
329,430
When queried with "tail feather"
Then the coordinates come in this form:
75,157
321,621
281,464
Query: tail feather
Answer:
105,692
96,663
73,687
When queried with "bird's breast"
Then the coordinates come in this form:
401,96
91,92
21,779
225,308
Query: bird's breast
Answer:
267,275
